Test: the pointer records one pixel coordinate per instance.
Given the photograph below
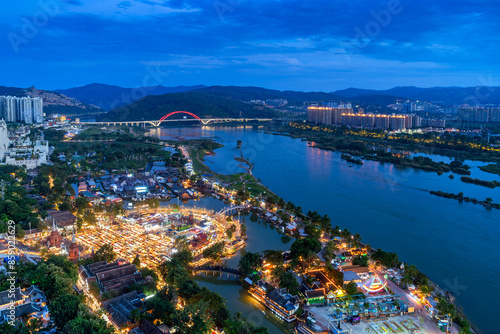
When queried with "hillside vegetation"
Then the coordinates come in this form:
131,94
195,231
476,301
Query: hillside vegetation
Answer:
199,103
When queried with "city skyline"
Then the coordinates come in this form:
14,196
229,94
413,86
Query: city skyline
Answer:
320,46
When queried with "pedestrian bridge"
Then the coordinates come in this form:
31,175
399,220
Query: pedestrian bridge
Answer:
232,209
218,272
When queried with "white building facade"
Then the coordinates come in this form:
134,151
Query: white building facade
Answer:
21,109
4,139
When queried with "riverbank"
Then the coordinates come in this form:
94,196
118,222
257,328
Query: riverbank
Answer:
245,183
351,140
377,198
284,210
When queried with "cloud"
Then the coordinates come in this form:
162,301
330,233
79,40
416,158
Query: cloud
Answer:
120,8
287,40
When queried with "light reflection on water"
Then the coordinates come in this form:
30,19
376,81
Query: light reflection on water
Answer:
456,244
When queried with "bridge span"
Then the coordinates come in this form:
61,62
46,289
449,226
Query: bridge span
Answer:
157,123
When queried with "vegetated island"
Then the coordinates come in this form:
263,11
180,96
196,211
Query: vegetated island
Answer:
342,138
420,162
487,203
491,168
313,225
489,184
349,158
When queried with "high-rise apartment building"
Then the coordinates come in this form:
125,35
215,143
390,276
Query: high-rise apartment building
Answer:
21,109
4,139
479,114
329,115
339,115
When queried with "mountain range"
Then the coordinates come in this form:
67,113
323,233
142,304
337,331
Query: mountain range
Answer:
109,97
447,96
232,101
53,102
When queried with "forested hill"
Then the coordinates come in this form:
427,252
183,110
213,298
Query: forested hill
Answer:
199,103
259,93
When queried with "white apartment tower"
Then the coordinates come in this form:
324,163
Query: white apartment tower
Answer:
4,139
21,109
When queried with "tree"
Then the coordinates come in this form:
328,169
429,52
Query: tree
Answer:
81,203
288,281
249,263
301,247
445,307
181,243
351,288
412,271
240,325
425,287
87,322
89,217
407,280
160,307
275,257
312,231
184,257
174,273
345,234
105,253
215,251
243,229
62,262
254,218
387,259
356,239
63,309
65,206
20,233
329,251
95,290
137,261
192,319
361,260
277,273
52,280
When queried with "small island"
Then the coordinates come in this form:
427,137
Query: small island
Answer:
349,158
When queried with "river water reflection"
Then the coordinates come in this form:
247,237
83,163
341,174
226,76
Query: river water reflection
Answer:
261,236
455,244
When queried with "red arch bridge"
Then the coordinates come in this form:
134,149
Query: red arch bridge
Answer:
184,119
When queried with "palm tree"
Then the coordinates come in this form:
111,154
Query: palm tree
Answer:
356,239
310,256
345,234
425,286
407,280
330,250
412,271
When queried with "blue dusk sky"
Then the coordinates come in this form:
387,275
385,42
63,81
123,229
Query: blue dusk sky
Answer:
316,45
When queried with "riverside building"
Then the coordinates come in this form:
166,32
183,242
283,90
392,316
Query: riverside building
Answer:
343,115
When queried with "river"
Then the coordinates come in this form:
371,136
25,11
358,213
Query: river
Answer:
261,236
455,244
